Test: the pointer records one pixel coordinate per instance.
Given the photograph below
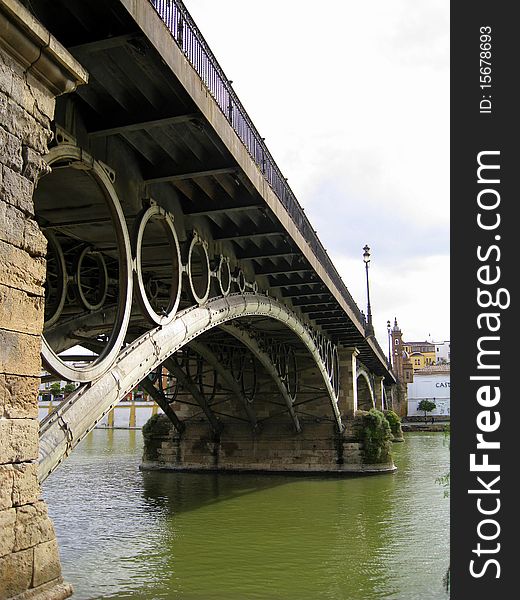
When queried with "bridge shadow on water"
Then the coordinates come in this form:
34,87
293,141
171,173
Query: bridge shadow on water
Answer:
182,491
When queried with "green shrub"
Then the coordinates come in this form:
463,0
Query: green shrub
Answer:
376,437
395,423
156,425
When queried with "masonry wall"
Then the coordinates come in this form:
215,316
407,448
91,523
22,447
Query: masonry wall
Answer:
31,65
28,550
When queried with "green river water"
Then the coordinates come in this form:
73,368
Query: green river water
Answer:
124,533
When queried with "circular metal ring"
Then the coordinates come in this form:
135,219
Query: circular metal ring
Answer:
237,363
323,349
192,364
101,264
96,368
281,362
176,271
152,288
208,390
170,392
224,275
328,358
52,242
292,373
200,298
335,371
241,281
249,378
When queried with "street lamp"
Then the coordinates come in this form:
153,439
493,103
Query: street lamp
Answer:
388,326
366,260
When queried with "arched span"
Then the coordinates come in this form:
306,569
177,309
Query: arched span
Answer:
365,393
268,365
84,408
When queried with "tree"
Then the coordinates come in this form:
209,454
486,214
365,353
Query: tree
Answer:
69,387
427,406
55,388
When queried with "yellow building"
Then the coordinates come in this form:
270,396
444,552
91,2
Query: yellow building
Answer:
421,354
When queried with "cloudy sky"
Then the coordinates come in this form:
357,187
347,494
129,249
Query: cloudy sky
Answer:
353,100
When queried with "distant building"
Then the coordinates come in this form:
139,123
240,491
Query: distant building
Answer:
401,362
430,383
421,354
442,352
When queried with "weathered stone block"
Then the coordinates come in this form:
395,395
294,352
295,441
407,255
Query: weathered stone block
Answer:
33,526
6,486
18,484
7,529
26,487
11,154
19,353
18,440
34,166
6,76
24,126
46,563
16,573
31,99
17,190
18,397
20,311
20,270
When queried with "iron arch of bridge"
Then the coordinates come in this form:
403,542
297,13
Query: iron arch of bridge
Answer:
63,429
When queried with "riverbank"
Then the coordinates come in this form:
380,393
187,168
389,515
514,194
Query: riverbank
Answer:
436,426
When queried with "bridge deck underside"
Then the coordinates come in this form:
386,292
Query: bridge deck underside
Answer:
134,102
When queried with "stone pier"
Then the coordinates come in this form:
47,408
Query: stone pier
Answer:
316,449
34,69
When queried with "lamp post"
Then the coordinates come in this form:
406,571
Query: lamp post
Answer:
366,260
388,328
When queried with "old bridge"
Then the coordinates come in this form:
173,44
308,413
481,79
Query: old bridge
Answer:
145,221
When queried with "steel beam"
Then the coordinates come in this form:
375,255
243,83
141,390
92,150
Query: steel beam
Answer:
189,386
222,210
164,405
310,304
193,175
144,125
305,294
248,236
105,44
274,254
284,271
299,284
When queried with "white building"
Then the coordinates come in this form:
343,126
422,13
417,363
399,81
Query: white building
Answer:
442,352
431,383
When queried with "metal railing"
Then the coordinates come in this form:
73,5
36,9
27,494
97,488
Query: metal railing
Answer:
189,39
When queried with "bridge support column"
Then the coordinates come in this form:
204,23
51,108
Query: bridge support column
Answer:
348,384
378,391
34,68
